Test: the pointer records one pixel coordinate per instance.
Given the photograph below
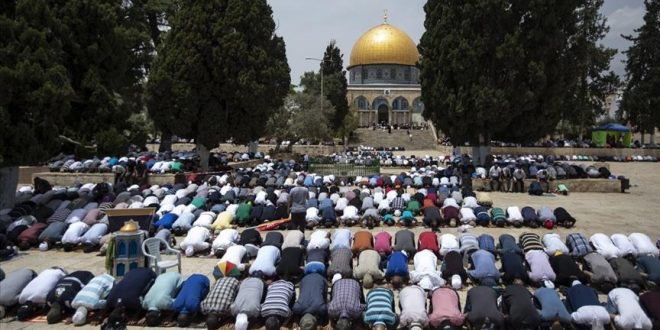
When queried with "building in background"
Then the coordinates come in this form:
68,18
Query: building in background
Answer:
383,83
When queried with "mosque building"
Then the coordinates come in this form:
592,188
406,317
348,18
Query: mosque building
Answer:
383,83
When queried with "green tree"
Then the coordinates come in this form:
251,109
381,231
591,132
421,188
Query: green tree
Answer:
35,93
590,62
308,121
222,70
334,81
497,69
640,104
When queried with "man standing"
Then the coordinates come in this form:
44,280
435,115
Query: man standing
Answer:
298,205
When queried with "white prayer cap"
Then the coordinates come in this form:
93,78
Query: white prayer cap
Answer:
241,322
336,278
456,282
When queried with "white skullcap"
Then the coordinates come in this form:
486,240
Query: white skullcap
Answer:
456,281
241,322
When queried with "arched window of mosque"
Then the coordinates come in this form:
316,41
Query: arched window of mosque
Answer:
379,74
418,105
361,103
400,103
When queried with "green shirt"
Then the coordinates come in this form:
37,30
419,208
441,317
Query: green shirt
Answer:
243,212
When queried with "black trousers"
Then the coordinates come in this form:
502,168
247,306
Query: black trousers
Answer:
298,220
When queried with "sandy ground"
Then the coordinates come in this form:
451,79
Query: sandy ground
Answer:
635,211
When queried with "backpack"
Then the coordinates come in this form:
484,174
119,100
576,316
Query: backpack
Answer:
535,189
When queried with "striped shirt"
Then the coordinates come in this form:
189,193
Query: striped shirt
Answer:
380,307
530,241
278,300
221,296
92,296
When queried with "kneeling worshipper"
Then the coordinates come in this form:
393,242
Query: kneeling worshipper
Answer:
34,295
350,216
412,303
487,242
468,243
251,239
600,272
370,218
426,273
91,240
404,240
552,310
468,217
650,268
341,238
293,238
218,302
530,218
507,243
481,308
274,238
264,264
196,241
513,268
518,306
60,297
530,241
347,303
604,246
624,244
91,297
223,241
428,240
644,245
316,261
483,269
161,296
291,263
276,309
73,235
624,304
11,287
578,245
232,262
188,300
27,239
452,269
362,240
367,269
445,309
553,244
585,308
341,263
566,270
126,296
514,216
564,218
540,270
407,219
383,243
450,215
397,268
247,304
319,239
311,305
650,301
628,276
379,313
432,217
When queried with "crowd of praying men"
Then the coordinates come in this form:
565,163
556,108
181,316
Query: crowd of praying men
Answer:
624,267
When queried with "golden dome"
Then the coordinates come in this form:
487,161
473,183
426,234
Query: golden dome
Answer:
384,44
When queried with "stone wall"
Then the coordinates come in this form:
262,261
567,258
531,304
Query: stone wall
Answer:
601,152
314,150
573,185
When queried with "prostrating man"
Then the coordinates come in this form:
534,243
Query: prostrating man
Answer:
60,297
35,293
161,296
379,313
126,296
483,269
624,304
217,303
481,308
347,303
248,302
412,303
446,309
517,304
188,300
276,308
367,269
311,304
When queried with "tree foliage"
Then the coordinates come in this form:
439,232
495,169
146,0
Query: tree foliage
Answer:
301,117
70,68
503,69
35,92
335,84
220,72
640,104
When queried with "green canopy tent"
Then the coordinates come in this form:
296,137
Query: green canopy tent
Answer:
599,135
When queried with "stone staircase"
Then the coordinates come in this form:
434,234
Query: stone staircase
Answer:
421,139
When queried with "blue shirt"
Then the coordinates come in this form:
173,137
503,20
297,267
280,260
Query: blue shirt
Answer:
166,221
486,242
192,292
581,295
484,265
397,265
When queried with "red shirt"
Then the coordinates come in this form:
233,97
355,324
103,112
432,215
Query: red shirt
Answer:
427,203
383,243
428,240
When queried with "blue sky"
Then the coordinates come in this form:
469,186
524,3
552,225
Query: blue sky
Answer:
308,25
